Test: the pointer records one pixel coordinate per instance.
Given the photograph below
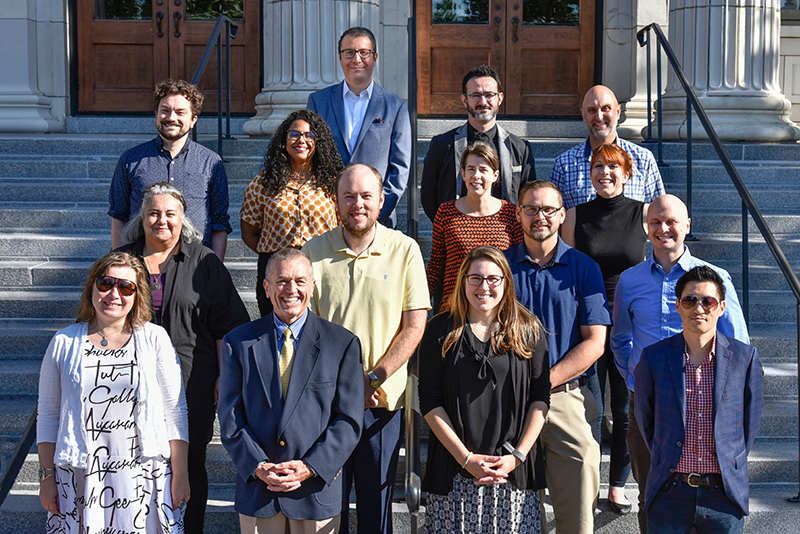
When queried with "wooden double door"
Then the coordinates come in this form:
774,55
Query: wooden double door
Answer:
543,51
125,47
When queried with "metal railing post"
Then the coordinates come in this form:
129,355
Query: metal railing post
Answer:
227,80
219,94
649,93
745,267
690,236
658,88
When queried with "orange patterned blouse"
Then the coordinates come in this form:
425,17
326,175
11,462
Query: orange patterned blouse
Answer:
300,212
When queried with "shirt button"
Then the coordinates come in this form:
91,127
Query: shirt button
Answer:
282,443
671,469
680,444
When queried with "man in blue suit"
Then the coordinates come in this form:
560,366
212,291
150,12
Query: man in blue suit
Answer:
369,124
291,407
699,397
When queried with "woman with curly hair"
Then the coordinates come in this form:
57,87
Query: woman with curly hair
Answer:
293,198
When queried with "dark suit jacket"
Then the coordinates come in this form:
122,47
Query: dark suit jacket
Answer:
384,141
320,420
441,176
661,410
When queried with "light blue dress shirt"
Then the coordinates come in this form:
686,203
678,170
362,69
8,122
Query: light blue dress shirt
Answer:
645,313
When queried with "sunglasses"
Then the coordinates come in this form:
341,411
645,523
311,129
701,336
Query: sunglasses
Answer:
106,283
689,302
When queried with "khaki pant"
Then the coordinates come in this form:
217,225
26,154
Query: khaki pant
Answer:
280,524
572,461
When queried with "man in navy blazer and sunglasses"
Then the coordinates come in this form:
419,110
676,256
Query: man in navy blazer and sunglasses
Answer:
699,398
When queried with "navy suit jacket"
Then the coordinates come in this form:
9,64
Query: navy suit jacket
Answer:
384,141
661,410
320,420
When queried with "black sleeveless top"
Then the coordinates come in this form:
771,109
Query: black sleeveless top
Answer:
609,230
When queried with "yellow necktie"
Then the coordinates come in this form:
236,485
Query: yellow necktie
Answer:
287,357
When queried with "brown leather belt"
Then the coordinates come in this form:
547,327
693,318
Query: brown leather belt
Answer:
569,386
699,481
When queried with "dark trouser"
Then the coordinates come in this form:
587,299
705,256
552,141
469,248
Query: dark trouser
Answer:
678,508
620,466
640,461
264,304
373,468
200,403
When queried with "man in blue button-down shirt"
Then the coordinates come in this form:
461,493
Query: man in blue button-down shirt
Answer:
645,313
564,288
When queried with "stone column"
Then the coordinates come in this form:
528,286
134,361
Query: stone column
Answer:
33,63
729,50
300,55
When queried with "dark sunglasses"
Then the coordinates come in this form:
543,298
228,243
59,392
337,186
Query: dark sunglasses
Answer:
689,302
106,283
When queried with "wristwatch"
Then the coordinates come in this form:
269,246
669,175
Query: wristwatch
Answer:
45,473
374,381
510,449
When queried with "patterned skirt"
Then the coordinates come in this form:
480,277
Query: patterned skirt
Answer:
483,509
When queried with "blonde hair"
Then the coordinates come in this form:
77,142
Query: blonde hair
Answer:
515,329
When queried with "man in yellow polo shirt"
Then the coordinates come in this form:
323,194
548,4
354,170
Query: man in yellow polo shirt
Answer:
371,280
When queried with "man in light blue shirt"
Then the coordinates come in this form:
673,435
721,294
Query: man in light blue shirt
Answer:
645,312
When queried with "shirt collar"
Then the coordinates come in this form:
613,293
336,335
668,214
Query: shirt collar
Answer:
685,261
472,132
377,247
296,327
346,91
687,360
162,149
561,250
587,147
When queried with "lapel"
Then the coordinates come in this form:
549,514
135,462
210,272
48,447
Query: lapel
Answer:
722,360
262,351
459,145
506,171
337,105
305,358
375,103
677,370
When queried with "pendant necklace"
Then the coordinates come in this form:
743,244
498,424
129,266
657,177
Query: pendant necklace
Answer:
155,282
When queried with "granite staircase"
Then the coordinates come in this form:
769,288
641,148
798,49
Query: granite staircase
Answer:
53,224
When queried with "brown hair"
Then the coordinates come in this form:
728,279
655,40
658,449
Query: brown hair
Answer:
141,312
540,184
482,150
614,154
179,87
515,328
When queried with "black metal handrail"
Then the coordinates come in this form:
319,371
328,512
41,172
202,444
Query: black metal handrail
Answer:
18,458
215,40
748,204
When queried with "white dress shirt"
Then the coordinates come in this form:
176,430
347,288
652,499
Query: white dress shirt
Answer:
355,107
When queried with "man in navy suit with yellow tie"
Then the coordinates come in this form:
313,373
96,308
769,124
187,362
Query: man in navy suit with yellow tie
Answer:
291,408
369,124
699,398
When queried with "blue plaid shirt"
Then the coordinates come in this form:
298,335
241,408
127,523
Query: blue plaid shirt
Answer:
196,171
572,174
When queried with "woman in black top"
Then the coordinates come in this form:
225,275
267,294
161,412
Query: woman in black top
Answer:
485,391
612,230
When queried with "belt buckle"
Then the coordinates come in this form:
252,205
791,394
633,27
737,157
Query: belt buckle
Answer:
689,480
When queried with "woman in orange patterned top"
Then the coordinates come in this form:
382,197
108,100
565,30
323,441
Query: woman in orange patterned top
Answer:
470,221
293,198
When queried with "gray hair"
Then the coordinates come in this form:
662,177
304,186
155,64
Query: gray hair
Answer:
134,229
287,253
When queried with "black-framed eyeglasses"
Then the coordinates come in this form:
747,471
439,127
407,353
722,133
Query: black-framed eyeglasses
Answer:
493,280
533,211
349,53
294,135
106,283
489,96
689,302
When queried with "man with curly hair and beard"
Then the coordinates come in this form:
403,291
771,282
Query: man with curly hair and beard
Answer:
172,157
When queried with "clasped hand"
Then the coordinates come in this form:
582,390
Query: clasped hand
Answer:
491,469
285,476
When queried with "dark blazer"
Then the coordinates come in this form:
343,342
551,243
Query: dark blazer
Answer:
661,410
320,420
441,176
384,141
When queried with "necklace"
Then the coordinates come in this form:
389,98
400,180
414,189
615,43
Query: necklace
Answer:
104,341
155,282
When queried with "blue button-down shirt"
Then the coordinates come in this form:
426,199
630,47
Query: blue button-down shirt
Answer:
645,312
196,171
296,327
565,294
572,174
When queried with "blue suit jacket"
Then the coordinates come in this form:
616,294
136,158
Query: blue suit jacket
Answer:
384,141
320,420
661,410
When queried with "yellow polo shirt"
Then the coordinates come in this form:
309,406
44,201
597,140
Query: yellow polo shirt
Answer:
367,293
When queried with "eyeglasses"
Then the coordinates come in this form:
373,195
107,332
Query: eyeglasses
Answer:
294,135
489,96
689,302
107,283
533,211
349,53
477,280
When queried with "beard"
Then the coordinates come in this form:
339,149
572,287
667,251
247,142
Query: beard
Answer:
182,131
360,231
540,234
482,115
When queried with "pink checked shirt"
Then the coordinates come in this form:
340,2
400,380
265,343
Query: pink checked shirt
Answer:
699,450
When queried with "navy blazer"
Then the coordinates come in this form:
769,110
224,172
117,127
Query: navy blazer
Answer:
384,141
320,420
661,410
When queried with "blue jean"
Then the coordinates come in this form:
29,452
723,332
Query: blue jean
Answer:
678,507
